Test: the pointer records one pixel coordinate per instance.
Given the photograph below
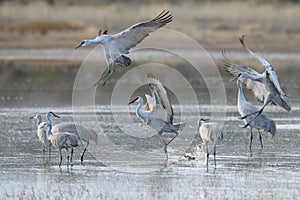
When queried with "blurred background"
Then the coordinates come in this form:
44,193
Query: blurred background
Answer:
37,38
274,25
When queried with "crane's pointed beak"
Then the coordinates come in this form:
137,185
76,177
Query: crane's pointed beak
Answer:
235,78
78,46
206,120
55,115
132,101
32,117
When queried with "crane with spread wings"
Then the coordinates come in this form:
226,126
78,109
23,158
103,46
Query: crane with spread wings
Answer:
265,86
115,46
158,112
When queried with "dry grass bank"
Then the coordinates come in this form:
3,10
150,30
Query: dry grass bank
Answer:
215,25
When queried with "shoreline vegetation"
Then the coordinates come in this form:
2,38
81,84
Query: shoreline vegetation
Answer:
214,24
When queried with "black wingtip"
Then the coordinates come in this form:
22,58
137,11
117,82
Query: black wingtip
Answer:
242,40
164,17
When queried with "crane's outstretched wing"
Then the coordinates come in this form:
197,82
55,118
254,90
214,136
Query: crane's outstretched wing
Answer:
162,102
235,69
266,64
255,87
263,61
130,37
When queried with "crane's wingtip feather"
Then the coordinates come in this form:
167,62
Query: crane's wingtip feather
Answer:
242,40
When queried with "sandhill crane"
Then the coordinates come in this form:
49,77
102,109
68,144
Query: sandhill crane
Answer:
261,122
210,133
158,113
115,46
62,140
83,133
265,86
42,132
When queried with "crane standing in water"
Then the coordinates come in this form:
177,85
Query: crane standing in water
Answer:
210,134
42,132
260,122
62,140
83,133
115,46
159,112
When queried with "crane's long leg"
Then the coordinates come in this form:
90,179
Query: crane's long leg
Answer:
253,118
60,158
112,71
87,144
251,137
72,151
164,141
176,134
257,113
215,155
68,160
260,139
207,155
104,74
43,149
49,151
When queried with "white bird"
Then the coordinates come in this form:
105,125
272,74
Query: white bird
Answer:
115,46
42,131
265,86
210,133
83,133
158,112
261,122
62,140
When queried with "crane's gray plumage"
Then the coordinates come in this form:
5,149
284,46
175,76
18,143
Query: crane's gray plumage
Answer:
261,122
265,86
160,98
269,67
42,131
83,133
210,133
158,112
257,88
62,140
115,46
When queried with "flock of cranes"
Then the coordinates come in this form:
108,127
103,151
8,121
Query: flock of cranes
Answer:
157,111
63,135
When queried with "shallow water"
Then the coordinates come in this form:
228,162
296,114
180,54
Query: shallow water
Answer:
128,161
141,173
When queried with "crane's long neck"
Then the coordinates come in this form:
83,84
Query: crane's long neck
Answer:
97,40
49,131
141,114
49,119
241,97
39,119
